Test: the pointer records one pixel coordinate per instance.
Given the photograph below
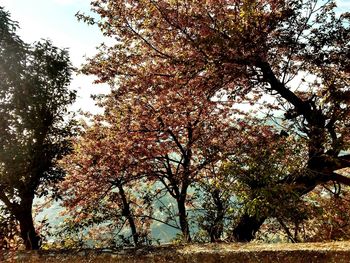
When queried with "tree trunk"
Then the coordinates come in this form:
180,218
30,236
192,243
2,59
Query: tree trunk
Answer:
217,227
183,218
127,213
246,228
30,237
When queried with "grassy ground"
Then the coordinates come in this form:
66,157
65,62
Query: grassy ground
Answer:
208,253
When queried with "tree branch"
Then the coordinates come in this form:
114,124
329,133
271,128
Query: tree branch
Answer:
340,178
301,106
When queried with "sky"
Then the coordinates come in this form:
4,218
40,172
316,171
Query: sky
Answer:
55,20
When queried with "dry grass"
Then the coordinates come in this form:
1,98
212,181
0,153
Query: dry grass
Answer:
208,253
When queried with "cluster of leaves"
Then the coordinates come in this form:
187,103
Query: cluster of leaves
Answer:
9,231
329,219
322,215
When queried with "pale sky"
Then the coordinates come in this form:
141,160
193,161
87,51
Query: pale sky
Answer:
55,20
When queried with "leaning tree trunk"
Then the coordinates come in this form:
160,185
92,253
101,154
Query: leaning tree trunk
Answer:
321,170
249,225
127,213
321,164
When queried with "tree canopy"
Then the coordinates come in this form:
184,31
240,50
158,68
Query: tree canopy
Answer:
35,133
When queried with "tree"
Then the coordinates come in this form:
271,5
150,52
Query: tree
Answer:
34,98
164,137
99,187
246,49
329,219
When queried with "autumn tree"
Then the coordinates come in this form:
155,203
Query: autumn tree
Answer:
163,136
177,138
245,49
101,186
34,97
329,217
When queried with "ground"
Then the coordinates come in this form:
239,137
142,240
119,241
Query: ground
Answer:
208,253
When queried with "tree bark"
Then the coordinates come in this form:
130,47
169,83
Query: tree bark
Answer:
183,218
28,234
23,213
246,228
217,227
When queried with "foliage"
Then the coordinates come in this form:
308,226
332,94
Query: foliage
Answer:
264,168
163,136
99,190
319,217
329,220
9,231
217,206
